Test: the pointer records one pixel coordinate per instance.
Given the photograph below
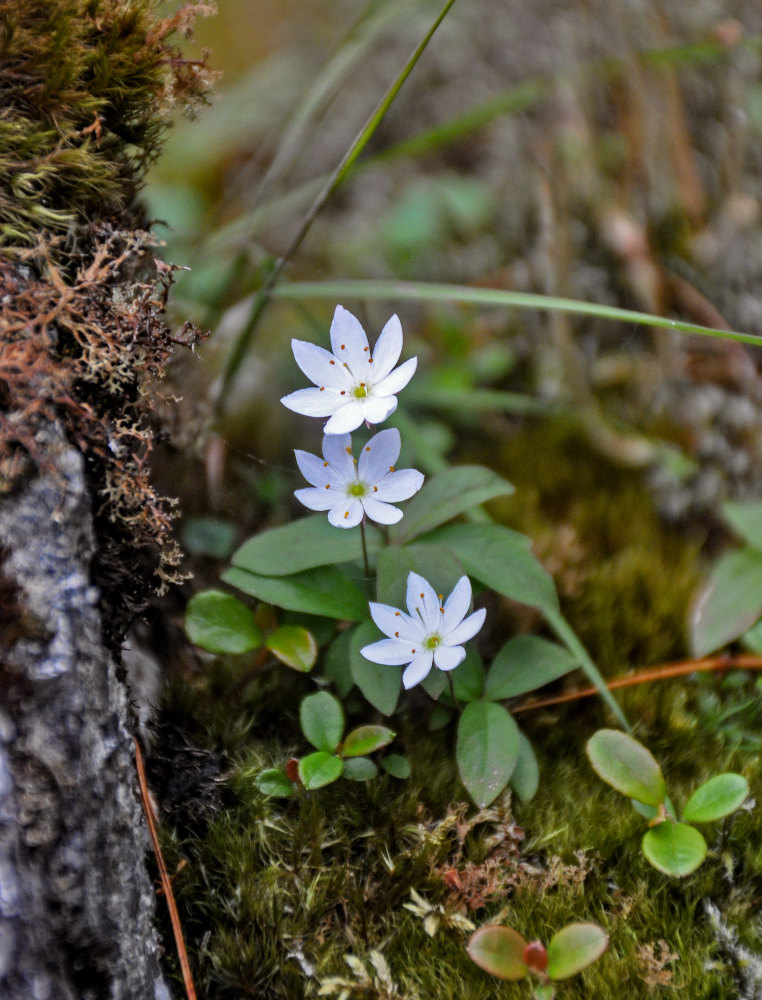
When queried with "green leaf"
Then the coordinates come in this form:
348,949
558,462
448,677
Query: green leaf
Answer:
323,591
434,684
526,663
502,560
294,646
544,992
301,545
626,765
220,623
574,948
274,783
525,779
651,812
439,717
379,683
320,768
366,739
716,798
359,769
674,848
745,518
729,603
447,494
322,720
468,677
336,668
499,951
487,750
433,562
208,536
396,765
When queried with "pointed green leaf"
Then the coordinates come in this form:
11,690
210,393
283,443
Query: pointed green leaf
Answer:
487,750
336,667
574,948
292,548
359,769
674,848
626,765
716,798
274,783
526,663
447,494
745,518
433,562
525,779
379,683
322,720
499,951
396,765
366,739
294,646
468,677
320,769
220,623
729,603
322,591
502,560
434,684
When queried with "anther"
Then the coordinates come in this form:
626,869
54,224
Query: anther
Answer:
343,392
396,635
397,614
328,486
325,465
348,449
346,513
322,388
375,489
343,347
391,468
331,362
367,447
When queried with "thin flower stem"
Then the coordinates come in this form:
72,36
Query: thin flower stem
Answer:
364,549
452,692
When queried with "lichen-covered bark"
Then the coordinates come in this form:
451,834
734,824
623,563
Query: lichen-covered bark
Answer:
76,903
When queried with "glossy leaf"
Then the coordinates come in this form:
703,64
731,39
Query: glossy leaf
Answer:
468,678
526,663
322,720
716,798
487,750
396,765
502,560
359,769
745,518
525,779
322,591
319,769
447,494
274,783
729,603
674,848
300,545
336,667
574,948
379,683
366,739
499,951
433,562
294,646
651,812
220,623
626,765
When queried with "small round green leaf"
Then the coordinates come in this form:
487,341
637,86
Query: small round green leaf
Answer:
322,720
294,646
275,783
359,769
574,948
366,739
220,623
674,848
626,765
487,750
499,951
396,765
320,769
716,798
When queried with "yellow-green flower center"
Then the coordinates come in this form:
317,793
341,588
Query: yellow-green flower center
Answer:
361,391
357,490
432,642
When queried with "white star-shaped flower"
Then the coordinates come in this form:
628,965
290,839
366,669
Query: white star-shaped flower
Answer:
353,384
432,632
348,488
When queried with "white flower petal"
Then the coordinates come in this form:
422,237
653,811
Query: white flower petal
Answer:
448,657
346,514
389,652
417,670
314,403
392,621
316,499
397,380
399,485
422,598
320,366
347,418
388,348
314,469
376,409
456,605
337,451
378,456
381,513
466,630
350,344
